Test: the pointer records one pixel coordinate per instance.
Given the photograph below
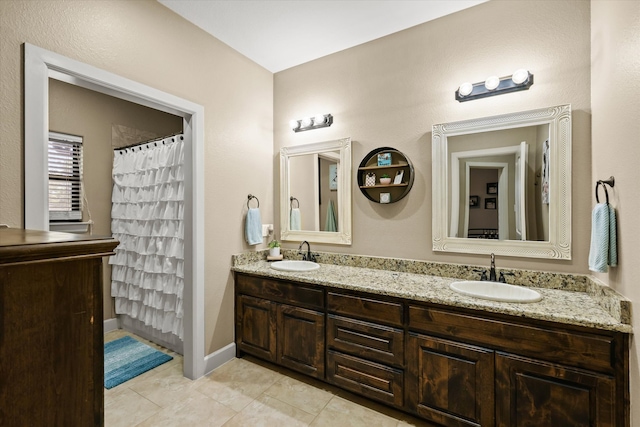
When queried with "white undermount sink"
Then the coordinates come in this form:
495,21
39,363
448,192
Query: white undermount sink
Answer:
496,291
295,265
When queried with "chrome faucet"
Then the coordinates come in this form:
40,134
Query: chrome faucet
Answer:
492,270
308,256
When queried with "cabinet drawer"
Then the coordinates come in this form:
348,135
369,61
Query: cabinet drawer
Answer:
374,342
585,351
366,308
375,381
305,296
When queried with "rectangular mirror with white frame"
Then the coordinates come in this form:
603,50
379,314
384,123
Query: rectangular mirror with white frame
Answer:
315,192
502,184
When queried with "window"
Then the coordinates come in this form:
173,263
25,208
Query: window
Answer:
65,177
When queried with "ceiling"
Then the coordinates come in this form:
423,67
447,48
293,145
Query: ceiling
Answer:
281,34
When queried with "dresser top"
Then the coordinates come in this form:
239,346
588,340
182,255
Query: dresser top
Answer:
19,245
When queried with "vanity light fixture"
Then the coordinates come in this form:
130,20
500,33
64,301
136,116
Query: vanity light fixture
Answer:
308,123
520,80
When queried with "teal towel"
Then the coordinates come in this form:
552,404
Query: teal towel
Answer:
331,224
604,244
253,227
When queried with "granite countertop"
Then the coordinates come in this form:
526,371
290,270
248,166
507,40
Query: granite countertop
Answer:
562,306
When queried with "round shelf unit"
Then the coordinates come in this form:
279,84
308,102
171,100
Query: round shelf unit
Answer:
385,160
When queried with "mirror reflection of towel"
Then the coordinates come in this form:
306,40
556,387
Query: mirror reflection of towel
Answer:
331,224
253,227
545,173
295,220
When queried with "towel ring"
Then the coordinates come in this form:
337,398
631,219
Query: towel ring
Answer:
292,199
606,193
251,196
611,182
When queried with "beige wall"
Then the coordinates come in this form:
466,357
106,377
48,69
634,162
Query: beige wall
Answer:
389,92
146,42
78,111
615,86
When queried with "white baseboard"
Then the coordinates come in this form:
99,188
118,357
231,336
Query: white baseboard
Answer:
211,362
111,325
219,357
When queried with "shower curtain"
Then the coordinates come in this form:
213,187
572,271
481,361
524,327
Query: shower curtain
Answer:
147,212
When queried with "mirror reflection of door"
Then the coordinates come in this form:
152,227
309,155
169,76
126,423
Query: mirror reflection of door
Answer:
329,167
521,192
524,215
313,182
482,221
304,187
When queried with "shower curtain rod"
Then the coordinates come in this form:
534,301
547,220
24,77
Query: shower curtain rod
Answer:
148,142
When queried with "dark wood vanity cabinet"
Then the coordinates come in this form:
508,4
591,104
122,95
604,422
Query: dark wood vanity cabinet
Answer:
450,383
538,374
365,346
300,340
450,366
536,393
51,329
256,326
290,334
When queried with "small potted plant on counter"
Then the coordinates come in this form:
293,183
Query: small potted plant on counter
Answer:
385,179
274,248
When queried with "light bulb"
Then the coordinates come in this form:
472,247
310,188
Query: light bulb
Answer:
492,82
319,119
520,76
465,89
306,122
294,124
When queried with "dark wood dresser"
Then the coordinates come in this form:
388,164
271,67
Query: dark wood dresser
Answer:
51,329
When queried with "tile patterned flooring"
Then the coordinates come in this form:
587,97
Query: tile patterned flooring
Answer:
243,392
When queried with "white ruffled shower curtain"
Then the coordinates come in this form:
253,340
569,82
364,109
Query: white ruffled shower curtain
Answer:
147,273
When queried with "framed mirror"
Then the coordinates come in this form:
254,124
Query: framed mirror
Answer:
315,192
502,184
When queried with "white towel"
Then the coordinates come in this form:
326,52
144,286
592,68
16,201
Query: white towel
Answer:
604,244
253,227
295,220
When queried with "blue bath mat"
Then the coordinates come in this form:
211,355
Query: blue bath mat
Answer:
126,358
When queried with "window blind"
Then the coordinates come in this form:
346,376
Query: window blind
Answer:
65,177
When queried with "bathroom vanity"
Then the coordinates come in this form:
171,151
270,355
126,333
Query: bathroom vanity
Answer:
408,341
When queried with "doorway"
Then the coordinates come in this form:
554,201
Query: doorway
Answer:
39,66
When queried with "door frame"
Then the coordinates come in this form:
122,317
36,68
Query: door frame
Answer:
40,65
503,196
456,157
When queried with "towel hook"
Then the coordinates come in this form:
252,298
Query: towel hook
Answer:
292,199
251,196
610,182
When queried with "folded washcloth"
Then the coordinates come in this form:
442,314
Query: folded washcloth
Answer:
253,227
295,220
331,223
604,245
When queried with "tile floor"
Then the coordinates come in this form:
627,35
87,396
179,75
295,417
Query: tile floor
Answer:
243,392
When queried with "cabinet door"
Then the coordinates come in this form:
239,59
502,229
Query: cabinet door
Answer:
450,383
256,327
301,340
534,393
